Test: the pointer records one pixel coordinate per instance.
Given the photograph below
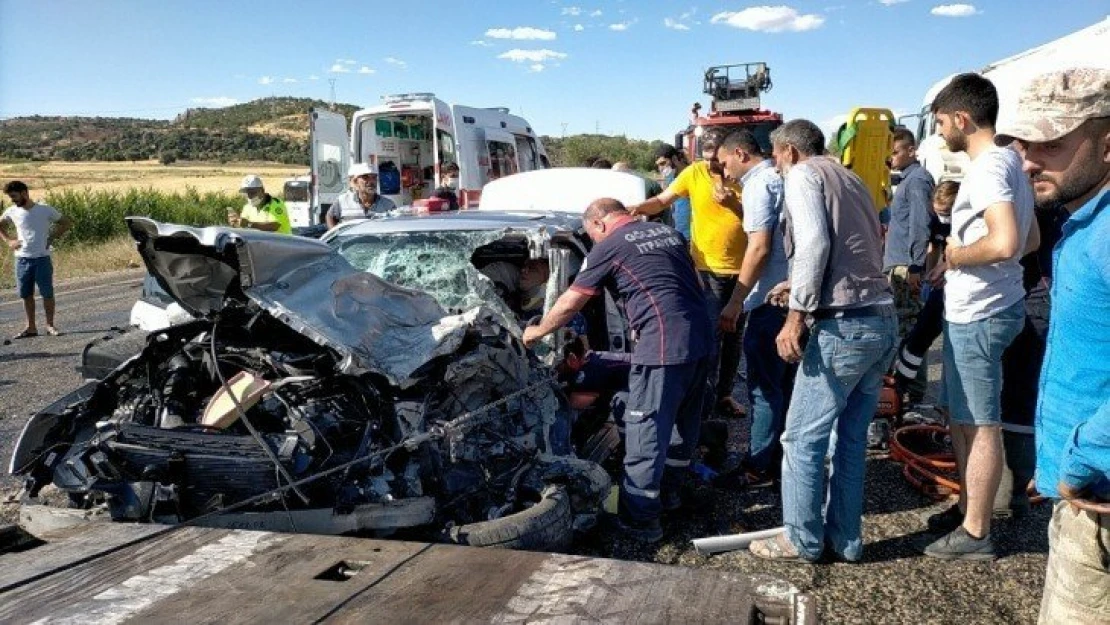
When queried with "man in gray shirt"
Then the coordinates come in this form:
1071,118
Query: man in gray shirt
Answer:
36,228
362,199
833,241
770,378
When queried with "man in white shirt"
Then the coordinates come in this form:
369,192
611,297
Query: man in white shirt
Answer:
37,226
984,307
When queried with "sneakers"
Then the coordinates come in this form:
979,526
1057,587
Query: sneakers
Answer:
945,521
959,545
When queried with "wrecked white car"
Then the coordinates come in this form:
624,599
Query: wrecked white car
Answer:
312,395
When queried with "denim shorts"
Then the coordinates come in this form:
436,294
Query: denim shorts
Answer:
973,365
34,271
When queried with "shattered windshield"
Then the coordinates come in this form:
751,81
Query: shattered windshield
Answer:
435,262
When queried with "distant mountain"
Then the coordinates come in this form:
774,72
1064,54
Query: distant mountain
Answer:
270,129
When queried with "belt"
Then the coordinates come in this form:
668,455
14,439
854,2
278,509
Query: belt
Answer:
851,313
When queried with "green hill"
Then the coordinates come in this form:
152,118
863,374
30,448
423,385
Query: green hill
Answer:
271,129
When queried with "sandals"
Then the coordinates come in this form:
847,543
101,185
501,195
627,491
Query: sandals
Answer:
777,548
25,334
52,331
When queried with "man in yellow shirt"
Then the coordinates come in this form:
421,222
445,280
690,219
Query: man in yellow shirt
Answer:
262,211
717,243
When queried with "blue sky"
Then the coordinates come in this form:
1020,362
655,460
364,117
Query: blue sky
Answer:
618,66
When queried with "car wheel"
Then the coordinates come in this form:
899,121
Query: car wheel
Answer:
545,526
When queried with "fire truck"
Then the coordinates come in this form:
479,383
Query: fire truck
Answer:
735,103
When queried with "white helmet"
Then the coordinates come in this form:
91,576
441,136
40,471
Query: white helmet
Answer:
250,181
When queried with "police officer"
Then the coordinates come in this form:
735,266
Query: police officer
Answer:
262,210
647,265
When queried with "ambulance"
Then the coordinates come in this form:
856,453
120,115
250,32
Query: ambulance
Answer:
418,142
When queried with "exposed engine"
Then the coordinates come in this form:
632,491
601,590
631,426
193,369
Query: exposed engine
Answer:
140,444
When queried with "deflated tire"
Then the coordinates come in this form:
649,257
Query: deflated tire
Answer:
546,526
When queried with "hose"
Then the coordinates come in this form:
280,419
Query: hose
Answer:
933,472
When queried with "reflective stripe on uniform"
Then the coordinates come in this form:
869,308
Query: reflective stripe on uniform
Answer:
632,490
671,462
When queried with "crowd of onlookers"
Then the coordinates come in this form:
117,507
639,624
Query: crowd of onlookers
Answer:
780,259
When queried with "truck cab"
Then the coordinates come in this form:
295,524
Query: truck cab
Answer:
735,91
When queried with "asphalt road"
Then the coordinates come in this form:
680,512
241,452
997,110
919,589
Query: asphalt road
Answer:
894,583
36,371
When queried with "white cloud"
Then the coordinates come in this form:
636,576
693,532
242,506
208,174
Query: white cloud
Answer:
266,80
395,61
536,68
346,61
572,11
579,28
216,102
597,13
517,55
675,25
314,77
521,32
480,42
769,19
365,70
687,15
339,68
288,80
955,10
620,26
892,2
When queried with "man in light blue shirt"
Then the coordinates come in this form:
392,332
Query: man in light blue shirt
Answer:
770,378
1062,126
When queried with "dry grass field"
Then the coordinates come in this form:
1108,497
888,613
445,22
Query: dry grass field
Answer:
83,259
120,176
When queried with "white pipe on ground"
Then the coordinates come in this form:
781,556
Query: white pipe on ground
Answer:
732,542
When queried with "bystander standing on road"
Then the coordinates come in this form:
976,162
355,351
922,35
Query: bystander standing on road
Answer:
1062,127
648,267
37,226
362,199
262,210
769,377
835,249
983,307
907,240
717,244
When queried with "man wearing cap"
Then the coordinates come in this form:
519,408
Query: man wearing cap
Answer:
717,243
262,210
1062,129
362,200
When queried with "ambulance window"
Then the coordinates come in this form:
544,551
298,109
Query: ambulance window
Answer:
502,159
526,150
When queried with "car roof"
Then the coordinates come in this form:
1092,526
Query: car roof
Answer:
468,220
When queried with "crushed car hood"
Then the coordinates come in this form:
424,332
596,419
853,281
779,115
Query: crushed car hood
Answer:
376,326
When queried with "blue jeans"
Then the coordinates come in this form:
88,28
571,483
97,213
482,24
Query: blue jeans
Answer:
770,380
725,361
973,365
32,272
661,424
837,387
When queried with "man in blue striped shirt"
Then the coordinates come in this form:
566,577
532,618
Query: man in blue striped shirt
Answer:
1063,129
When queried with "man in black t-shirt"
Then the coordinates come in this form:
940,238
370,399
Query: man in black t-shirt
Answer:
648,267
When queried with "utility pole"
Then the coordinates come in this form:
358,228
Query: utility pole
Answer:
597,127
331,81
564,130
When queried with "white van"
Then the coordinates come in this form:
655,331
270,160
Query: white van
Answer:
1083,48
414,138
